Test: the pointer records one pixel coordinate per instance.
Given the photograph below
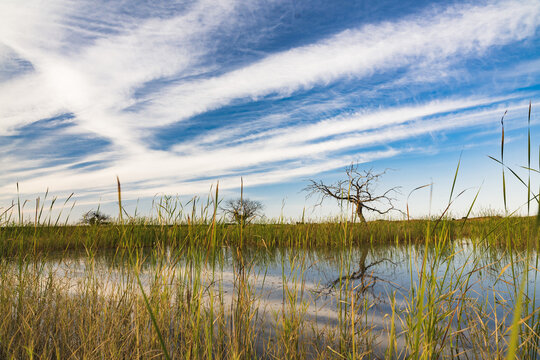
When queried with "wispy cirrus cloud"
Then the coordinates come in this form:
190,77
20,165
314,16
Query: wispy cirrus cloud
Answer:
458,31
292,155
128,74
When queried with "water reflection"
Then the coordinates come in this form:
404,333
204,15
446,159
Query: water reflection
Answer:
319,280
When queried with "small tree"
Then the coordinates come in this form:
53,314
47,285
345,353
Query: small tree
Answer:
359,189
242,211
95,217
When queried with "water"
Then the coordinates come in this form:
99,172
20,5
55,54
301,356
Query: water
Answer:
318,285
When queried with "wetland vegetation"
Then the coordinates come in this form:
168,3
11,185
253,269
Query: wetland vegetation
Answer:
203,288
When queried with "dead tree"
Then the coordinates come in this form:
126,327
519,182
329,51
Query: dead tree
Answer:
359,189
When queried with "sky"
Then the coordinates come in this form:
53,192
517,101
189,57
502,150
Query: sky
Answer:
175,96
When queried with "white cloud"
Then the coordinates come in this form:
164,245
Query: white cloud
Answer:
97,78
159,171
97,81
464,31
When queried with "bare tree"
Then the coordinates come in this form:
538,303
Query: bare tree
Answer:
359,189
242,211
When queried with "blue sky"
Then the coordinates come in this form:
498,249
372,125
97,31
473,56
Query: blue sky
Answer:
173,96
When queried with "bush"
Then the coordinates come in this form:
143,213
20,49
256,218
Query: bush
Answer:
95,218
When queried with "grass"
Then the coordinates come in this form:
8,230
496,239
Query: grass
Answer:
170,301
28,239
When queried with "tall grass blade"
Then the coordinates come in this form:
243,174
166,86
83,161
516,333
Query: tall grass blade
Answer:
529,160
119,200
470,208
19,204
392,335
455,178
5,211
533,195
502,162
516,323
538,218
154,321
36,214
408,196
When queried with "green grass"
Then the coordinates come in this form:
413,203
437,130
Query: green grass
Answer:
175,313
28,239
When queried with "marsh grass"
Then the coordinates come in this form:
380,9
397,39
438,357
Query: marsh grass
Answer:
27,239
163,303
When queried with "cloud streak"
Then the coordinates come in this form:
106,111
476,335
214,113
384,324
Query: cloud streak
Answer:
126,77
466,31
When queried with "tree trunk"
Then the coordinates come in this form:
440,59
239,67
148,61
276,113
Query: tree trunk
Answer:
359,209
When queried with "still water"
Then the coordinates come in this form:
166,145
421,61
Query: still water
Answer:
322,286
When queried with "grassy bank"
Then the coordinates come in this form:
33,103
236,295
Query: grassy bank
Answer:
519,231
